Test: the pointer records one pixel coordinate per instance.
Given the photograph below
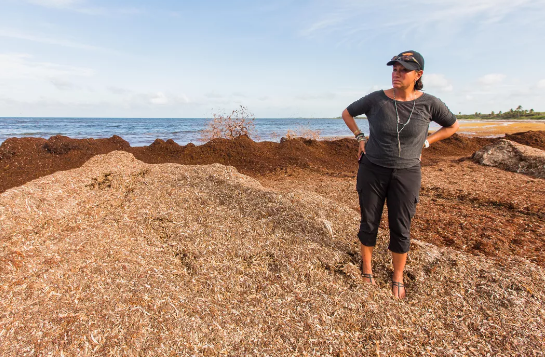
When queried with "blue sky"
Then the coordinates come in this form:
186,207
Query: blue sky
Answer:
283,58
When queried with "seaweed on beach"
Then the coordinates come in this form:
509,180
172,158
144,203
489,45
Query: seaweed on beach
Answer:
119,257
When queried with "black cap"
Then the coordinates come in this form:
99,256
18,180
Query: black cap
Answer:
404,58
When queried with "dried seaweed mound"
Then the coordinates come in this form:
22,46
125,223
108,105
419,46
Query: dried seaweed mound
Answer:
533,138
512,156
123,258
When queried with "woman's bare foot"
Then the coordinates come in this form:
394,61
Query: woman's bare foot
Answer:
398,289
398,261
369,278
366,266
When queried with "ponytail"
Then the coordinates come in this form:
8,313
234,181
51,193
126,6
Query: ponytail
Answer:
418,85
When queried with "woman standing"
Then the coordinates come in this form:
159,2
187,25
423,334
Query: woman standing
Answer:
389,160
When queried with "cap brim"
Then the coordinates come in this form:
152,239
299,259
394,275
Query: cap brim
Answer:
413,66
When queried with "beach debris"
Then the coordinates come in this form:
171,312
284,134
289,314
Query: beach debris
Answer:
512,156
119,257
240,122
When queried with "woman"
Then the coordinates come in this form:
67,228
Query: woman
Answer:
389,160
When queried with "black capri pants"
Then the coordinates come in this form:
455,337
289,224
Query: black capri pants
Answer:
400,189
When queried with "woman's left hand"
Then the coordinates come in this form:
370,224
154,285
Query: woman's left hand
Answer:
361,148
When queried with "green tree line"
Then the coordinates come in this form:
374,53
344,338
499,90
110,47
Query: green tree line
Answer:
518,113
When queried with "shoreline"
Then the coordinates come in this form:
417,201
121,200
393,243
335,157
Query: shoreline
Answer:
495,128
476,128
143,132
479,128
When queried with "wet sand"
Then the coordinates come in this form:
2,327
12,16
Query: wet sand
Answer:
485,128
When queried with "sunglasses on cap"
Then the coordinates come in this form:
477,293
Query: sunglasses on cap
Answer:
405,58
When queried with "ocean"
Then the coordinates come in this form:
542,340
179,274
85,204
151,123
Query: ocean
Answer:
143,131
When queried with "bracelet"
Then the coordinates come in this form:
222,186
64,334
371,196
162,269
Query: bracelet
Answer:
357,132
426,144
360,137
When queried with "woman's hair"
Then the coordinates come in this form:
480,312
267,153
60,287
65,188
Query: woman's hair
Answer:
418,85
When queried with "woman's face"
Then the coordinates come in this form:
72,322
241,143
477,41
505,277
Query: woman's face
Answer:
403,78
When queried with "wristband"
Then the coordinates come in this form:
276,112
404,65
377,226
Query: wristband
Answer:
426,144
360,137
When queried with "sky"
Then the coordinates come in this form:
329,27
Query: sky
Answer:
278,58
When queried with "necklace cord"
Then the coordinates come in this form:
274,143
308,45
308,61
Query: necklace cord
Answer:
399,121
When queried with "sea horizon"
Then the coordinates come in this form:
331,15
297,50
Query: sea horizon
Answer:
144,131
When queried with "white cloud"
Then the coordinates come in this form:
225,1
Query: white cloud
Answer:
159,98
182,98
322,25
316,97
224,98
130,11
491,79
47,40
119,90
46,103
214,95
63,84
541,83
55,3
343,17
437,82
13,66
79,6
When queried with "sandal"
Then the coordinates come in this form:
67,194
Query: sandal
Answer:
398,285
368,276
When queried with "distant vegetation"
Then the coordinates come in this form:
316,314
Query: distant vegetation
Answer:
512,114
518,113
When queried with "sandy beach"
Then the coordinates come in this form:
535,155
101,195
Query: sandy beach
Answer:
486,128
249,248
